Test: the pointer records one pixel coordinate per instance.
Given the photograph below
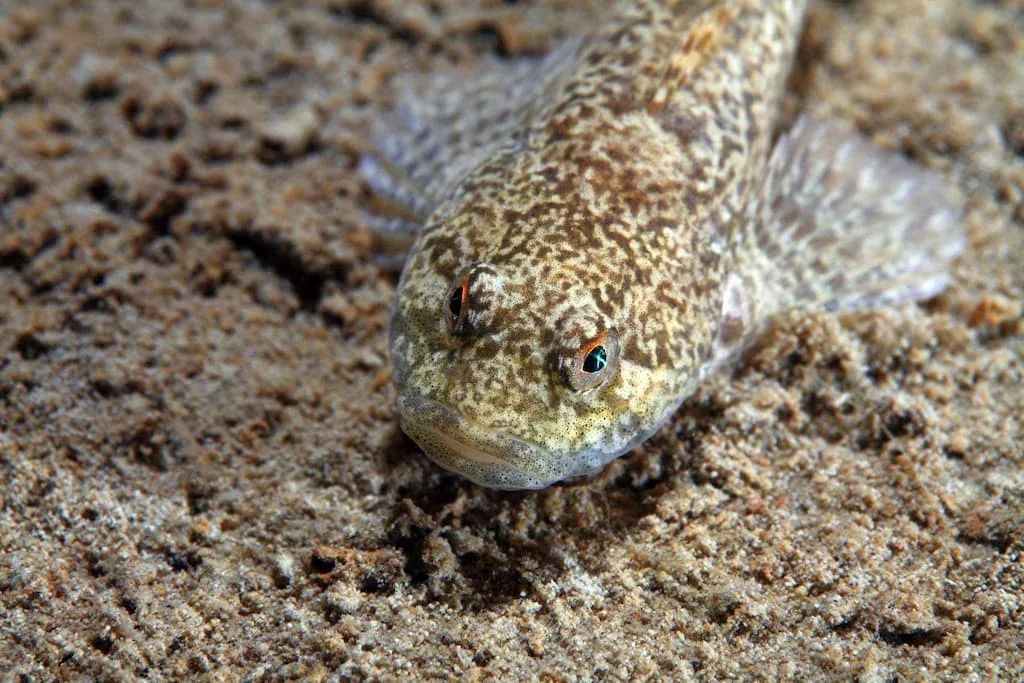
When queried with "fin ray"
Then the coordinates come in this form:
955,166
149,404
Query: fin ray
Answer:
843,224
445,124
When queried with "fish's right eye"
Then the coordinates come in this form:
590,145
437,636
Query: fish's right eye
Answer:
456,306
455,303
473,302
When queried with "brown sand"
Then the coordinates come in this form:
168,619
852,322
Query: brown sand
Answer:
201,472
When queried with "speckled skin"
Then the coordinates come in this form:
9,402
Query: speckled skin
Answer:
610,195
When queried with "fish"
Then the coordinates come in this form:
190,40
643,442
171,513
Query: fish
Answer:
590,234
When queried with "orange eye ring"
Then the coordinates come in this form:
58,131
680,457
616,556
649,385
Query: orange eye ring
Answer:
593,364
593,357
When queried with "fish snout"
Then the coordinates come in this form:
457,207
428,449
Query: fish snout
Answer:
487,457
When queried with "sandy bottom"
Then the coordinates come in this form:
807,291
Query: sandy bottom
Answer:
201,471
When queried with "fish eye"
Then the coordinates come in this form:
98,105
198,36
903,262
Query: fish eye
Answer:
455,303
596,360
456,306
473,302
592,364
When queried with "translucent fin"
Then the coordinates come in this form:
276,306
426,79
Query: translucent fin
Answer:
445,124
842,224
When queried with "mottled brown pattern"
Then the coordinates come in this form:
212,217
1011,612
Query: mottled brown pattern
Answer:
609,190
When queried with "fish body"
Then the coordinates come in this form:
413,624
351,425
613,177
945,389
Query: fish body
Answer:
595,232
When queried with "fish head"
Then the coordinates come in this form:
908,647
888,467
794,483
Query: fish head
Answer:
518,376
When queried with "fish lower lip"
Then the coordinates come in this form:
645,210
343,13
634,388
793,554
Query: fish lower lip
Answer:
487,457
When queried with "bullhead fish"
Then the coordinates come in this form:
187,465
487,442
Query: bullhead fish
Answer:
593,232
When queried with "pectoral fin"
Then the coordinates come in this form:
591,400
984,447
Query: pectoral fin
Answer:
445,124
842,224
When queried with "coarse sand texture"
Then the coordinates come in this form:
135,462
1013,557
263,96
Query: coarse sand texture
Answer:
202,473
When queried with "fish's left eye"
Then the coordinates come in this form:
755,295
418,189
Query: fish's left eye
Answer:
592,364
596,360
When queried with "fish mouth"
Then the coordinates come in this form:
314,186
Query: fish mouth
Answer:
485,456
